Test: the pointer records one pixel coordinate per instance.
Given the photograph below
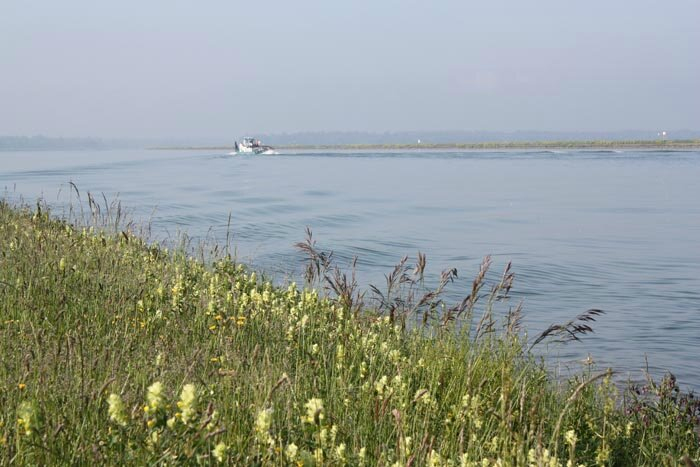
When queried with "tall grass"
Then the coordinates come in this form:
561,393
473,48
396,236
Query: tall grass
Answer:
119,352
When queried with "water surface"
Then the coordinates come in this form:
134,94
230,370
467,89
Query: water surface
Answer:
612,230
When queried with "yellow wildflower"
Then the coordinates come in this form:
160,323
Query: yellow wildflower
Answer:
262,426
302,322
291,452
340,452
187,402
314,411
219,452
434,459
394,356
27,417
532,456
603,455
116,409
340,352
380,385
154,396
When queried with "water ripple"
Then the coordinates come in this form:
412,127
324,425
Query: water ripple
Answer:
610,230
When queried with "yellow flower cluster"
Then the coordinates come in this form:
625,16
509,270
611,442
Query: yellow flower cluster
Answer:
27,418
116,410
219,452
314,412
291,452
542,458
187,403
154,397
263,421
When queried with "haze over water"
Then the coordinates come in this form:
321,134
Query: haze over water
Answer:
584,229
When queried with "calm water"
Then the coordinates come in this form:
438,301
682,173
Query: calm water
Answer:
611,230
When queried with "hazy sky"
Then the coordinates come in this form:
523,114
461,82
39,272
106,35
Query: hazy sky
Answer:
225,68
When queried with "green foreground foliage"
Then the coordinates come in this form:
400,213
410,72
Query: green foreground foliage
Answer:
118,352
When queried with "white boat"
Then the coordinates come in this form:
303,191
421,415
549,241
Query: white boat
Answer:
251,146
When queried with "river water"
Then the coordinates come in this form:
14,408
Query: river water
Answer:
612,230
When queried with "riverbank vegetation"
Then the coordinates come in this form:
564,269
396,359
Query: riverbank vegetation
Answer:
688,144
515,145
117,351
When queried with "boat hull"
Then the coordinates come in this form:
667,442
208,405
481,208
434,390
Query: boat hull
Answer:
251,146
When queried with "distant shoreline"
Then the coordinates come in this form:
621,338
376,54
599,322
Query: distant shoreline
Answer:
641,144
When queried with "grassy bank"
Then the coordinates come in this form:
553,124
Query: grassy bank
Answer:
526,145
117,352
